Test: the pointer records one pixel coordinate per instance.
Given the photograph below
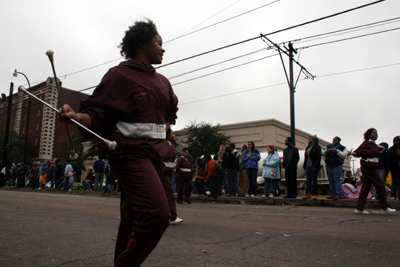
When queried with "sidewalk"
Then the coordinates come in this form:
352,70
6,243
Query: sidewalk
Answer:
320,202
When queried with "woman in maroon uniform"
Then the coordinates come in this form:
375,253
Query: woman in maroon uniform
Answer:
134,105
369,153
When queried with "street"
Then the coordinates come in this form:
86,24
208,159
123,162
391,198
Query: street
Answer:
43,229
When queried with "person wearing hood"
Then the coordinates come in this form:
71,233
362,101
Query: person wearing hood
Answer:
393,165
271,171
312,164
384,165
43,175
251,158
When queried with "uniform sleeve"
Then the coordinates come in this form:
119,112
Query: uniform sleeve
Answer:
173,108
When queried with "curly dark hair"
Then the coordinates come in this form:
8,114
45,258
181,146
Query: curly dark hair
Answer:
140,33
368,133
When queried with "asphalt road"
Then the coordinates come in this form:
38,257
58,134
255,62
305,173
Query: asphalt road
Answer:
39,229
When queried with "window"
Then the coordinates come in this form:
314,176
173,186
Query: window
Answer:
37,126
23,129
36,141
24,116
38,112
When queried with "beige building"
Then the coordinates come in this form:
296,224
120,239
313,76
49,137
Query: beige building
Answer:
264,133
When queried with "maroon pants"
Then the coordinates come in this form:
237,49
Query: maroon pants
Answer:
166,182
370,176
144,210
182,179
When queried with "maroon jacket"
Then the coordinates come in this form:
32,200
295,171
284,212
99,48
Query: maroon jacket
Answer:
131,106
369,152
169,160
182,167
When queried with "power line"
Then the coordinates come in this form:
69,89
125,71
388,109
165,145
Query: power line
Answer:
223,21
203,22
347,30
218,63
284,83
271,33
215,72
350,38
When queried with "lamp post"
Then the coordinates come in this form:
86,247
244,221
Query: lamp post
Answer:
15,74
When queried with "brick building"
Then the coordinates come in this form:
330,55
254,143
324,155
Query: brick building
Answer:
45,131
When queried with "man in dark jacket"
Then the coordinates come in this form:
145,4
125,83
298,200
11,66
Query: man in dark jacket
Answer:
290,159
335,155
393,164
312,164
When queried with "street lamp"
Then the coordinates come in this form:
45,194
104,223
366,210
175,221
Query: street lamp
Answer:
15,74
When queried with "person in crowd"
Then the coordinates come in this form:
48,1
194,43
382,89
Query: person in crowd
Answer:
52,173
334,155
349,179
34,174
13,175
20,176
107,175
43,175
174,179
220,158
111,183
71,180
200,176
236,154
243,180
231,165
169,162
59,173
184,170
353,192
98,167
271,171
369,153
393,165
87,182
384,165
251,158
396,177
214,176
290,159
68,169
312,164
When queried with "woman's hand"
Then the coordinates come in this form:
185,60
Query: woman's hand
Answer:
66,113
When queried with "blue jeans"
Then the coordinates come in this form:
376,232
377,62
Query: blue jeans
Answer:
270,186
173,181
312,180
334,177
381,174
231,181
252,175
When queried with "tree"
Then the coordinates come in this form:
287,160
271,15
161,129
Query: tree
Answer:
15,149
202,138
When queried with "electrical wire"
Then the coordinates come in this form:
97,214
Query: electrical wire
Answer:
223,21
215,72
271,33
284,83
203,21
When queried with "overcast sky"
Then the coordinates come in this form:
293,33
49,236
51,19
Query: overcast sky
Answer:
356,84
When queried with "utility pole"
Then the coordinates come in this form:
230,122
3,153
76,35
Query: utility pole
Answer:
290,79
291,88
5,148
